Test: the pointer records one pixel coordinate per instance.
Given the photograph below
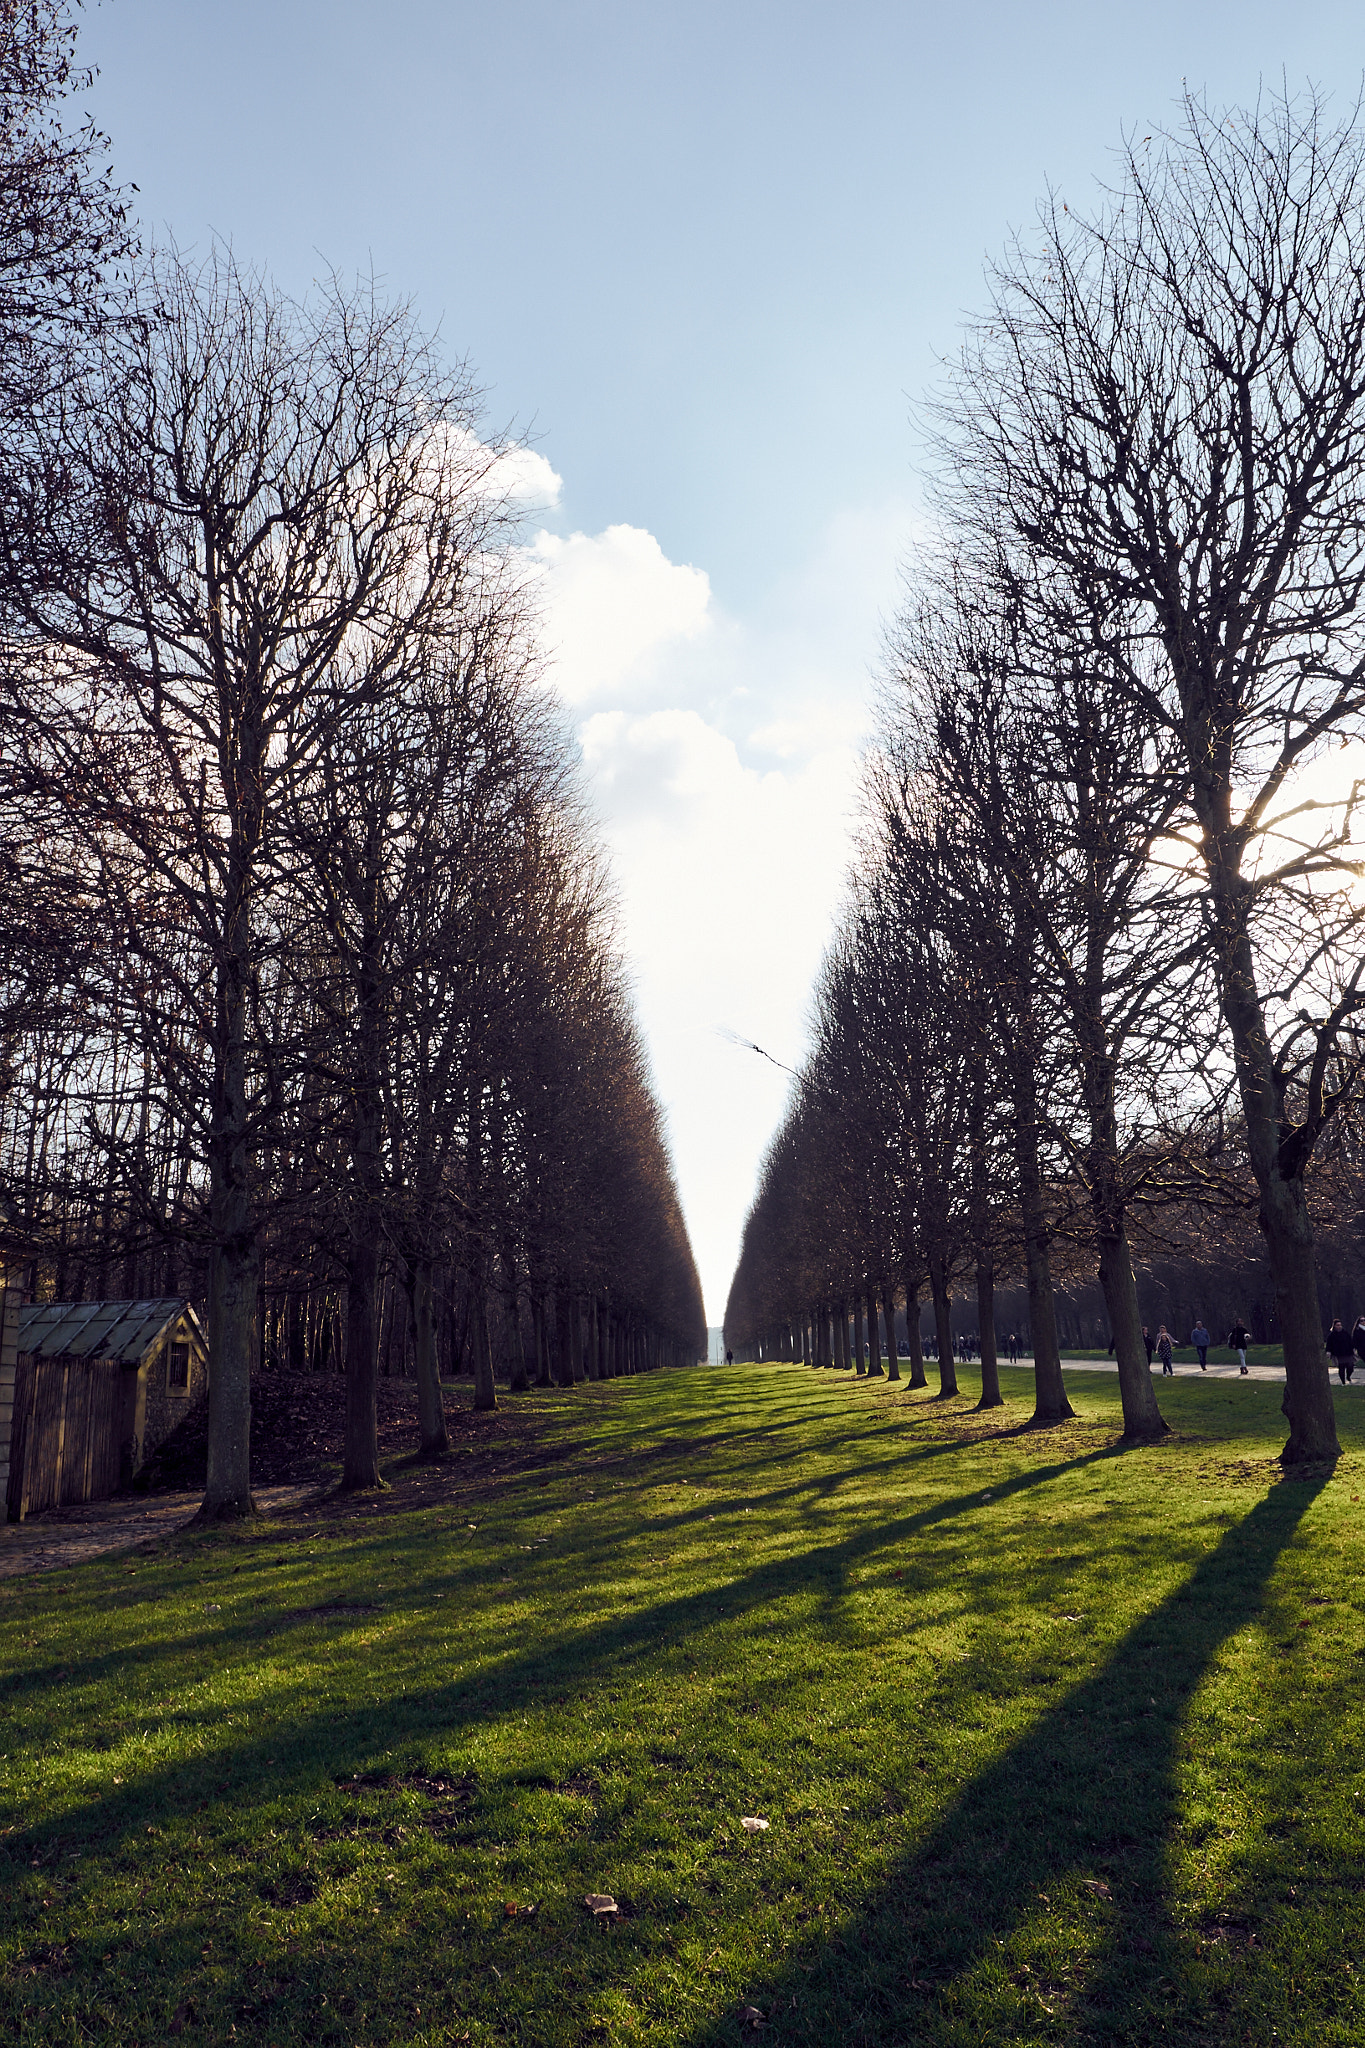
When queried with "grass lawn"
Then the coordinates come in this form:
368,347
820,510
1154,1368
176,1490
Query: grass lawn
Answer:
1055,1743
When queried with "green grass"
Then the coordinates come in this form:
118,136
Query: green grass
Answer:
1056,1743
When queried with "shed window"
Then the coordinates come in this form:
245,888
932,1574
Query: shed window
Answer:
178,1370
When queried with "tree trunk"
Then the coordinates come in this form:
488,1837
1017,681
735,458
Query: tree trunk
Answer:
918,1376
1278,1155
943,1327
1142,1418
519,1378
874,1338
563,1337
860,1363
991,1396
432,1439
360,1457
1307,1404
485,1388
544,1377
234,1261
1050,1403
232,1305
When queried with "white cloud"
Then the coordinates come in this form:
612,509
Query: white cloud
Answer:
528,478
722,755
613,600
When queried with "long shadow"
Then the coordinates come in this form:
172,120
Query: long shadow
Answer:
571,1654
1077,1815
829,1563
1087,1796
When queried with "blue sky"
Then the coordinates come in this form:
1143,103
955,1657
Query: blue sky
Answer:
712,255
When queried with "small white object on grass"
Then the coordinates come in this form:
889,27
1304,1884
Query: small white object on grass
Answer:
601,1903
753,1824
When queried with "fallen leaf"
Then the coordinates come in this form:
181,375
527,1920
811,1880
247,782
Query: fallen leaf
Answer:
601,1903
510,1908
1098,1886
750,2016
753,1824
182,2013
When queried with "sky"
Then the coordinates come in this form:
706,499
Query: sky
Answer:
710,258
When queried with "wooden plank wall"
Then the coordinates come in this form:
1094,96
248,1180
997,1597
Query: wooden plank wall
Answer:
68,1423
9,1334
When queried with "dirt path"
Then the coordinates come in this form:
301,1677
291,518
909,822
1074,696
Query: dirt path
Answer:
67,1536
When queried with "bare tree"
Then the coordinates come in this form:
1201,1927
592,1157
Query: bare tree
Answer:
1065,792
261,502
1167,406
64,234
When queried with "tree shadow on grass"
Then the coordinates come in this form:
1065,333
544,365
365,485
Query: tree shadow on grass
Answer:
1087,1798
1041,1905
587,1650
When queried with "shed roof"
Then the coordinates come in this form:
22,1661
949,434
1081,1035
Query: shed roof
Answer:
125,1330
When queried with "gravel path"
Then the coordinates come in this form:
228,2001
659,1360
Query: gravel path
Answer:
1214,1372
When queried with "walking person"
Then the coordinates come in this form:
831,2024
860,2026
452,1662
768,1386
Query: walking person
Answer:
1358,1339
1239,1336
1163,1352
1150,1342
1341,1344
1199,1337
1014,1347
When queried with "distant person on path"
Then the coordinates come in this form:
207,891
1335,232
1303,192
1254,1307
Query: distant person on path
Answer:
1239,1336
1342,1346
1358,1338
1150,1342
729,1358
1013,1347
1199,1337
1163,1352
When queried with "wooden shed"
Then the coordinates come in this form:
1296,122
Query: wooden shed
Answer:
97,1386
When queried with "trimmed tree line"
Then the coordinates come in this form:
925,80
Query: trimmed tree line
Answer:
310,1001
1105,930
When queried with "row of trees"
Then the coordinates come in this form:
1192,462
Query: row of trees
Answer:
1101,961
309,974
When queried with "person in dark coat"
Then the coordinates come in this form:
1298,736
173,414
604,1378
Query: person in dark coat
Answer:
1239,1336
1150,1342
1163,1352
1341,1344
1358,1338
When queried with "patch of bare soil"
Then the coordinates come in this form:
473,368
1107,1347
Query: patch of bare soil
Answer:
298,1423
